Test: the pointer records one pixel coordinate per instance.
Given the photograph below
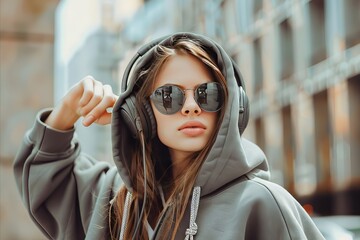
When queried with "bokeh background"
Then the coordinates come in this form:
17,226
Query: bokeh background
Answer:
300,60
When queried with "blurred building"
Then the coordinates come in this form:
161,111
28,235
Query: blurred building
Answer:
301,62
31,79
26,73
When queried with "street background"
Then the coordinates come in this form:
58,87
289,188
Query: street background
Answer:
300,60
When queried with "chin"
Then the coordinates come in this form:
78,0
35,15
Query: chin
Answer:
185,144
190,147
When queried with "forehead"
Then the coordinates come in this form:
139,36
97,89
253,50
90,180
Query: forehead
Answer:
184,70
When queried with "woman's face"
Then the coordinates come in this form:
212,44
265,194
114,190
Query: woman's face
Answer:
189,129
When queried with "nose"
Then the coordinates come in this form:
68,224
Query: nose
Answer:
190,105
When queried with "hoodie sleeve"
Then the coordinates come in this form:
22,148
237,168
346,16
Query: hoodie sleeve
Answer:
54,178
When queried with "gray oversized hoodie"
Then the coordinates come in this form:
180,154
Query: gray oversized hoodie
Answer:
68,193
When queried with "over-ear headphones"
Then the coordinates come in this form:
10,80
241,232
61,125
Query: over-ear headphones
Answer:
142,118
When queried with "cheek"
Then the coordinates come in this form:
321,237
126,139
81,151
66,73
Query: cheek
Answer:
165,128
212,120
163,123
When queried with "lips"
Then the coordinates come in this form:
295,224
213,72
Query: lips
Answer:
192,128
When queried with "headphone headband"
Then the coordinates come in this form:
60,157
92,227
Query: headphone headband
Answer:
141,52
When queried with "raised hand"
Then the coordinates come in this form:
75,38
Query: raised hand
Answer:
88,98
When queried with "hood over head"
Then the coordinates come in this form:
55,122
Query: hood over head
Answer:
231,155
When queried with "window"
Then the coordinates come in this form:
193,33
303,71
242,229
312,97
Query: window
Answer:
289,148
317,31
352,20
257,66
323,137
286,50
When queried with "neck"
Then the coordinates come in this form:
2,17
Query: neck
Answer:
179,162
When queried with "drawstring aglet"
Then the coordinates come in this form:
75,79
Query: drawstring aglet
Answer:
191,232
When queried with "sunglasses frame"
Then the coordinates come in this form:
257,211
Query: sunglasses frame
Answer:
196,97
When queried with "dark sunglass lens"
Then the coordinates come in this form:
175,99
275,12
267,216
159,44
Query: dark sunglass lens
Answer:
210,96
168,99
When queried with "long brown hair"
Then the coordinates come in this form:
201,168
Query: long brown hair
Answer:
178,190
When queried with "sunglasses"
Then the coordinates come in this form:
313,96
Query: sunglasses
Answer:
169,99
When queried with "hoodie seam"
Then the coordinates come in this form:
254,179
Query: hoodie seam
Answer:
225,187
275,200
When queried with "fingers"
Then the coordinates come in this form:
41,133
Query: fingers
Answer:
88,89
92,96
97,98
89,99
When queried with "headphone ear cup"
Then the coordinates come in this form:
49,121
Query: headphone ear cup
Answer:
129,114
243,110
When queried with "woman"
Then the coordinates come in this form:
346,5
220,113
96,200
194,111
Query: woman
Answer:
177,145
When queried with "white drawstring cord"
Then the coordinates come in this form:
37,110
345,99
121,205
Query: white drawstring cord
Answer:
192,230
125,214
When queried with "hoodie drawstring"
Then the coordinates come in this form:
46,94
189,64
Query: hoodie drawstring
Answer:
192,230
125,214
